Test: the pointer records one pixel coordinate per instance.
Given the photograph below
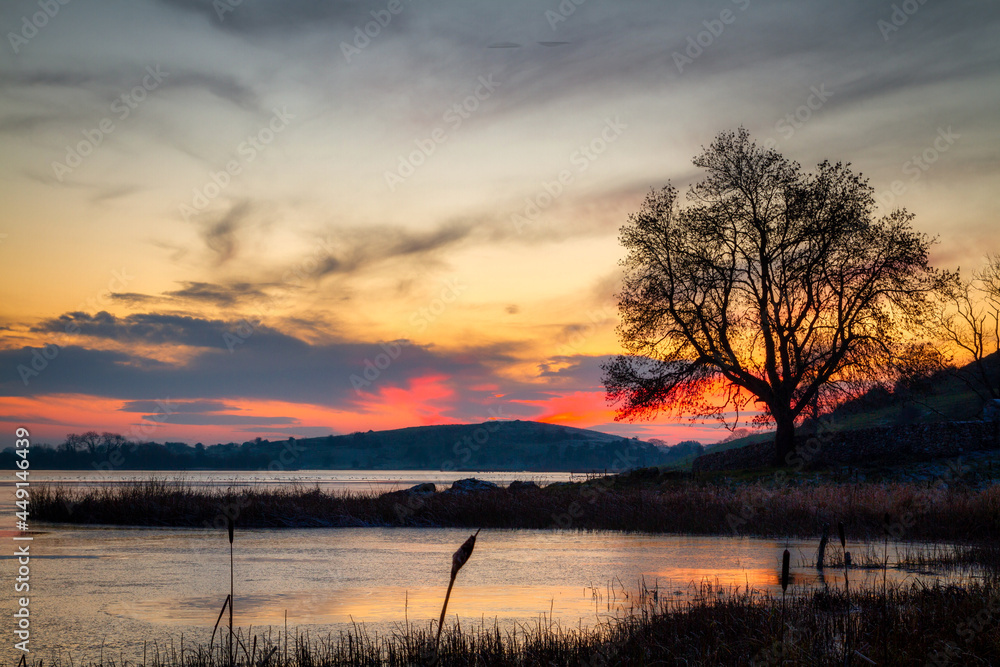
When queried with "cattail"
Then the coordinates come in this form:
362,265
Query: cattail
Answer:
460,558
785,560
847,566
231,526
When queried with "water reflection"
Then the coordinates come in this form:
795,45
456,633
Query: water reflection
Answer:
126,586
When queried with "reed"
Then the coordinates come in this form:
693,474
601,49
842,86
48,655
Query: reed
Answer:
785,562
231,528
736,628
458,560
952,514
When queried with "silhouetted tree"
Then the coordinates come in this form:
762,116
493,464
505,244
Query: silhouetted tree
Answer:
88,442
113,442
969,321
771,286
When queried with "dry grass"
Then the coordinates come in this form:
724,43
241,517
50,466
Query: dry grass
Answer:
897,626
924,513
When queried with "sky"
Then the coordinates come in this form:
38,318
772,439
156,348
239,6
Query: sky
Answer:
231,219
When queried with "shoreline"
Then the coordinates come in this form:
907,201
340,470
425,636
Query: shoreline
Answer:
636,503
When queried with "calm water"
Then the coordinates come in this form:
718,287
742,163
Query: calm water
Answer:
121,587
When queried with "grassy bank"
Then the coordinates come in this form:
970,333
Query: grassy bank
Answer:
899,626
916,511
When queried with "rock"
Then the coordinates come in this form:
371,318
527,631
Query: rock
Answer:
471,484
518,485
424,489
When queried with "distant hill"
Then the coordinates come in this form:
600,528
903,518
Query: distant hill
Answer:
494,445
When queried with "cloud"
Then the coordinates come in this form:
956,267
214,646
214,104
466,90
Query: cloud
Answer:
218,420
133,298
175,407
581,371
259,364
360,248
218,295
294,431
110,83
357,377
221,236
157,329
265,17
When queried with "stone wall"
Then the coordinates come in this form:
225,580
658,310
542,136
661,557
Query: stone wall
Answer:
891,443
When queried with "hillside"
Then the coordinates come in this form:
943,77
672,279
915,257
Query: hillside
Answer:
943,397
494,445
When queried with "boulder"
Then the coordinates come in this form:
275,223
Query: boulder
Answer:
425,489
518,485
471,484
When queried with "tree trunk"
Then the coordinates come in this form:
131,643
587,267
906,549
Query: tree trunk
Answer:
784,439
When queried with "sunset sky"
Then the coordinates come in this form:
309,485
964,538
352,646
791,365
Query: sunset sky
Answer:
238,219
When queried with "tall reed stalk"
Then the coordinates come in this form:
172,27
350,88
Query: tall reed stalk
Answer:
847,592
785,562
459,559
231,525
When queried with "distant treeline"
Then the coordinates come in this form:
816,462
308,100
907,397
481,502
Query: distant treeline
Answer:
112,451
514,445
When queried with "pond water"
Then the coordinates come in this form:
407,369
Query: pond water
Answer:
121,587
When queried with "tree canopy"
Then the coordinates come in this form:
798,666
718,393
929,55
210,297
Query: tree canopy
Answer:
771,290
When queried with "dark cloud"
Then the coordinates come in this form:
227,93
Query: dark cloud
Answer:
274,16
133,298
222,86
217,420
254,364
17,123
111,83
580,371
157,329
221,236
354,250
218,295
169,407
293,431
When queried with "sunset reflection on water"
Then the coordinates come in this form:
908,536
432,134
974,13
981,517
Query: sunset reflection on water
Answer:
119,588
